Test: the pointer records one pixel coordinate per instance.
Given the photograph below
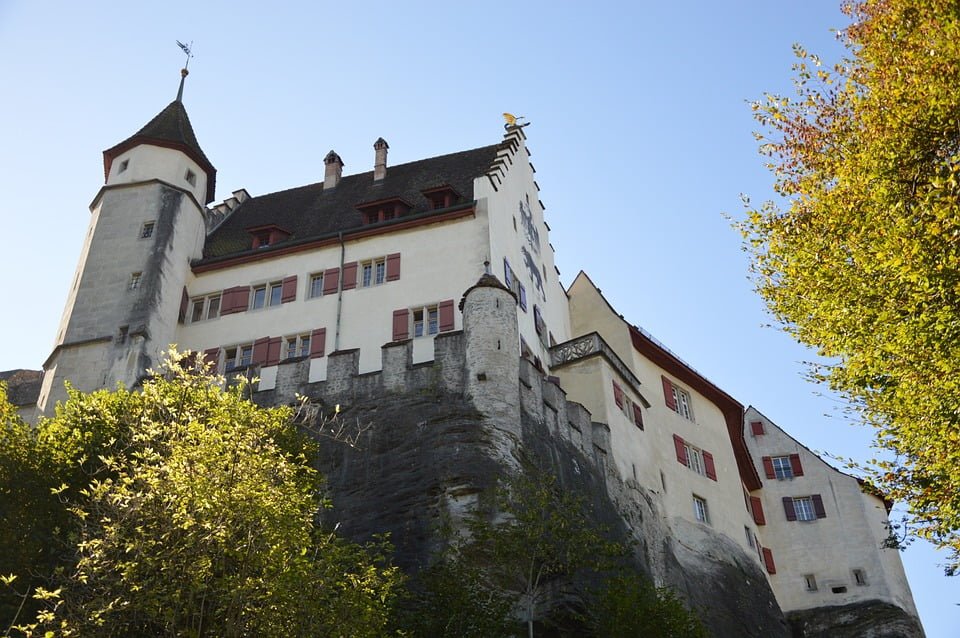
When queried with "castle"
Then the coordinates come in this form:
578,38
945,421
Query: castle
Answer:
366,288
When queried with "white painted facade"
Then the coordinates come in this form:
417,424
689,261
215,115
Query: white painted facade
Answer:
837,559
651,452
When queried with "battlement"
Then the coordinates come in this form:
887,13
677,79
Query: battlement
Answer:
540,396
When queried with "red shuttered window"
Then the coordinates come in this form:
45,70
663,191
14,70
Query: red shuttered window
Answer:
680,449
756,427
768,561
668,393
349,276
637,416
393,267
289,287
331,280
273,351
708,466
446,315
795,465
756,506
318,342
768,467
401,324
618,394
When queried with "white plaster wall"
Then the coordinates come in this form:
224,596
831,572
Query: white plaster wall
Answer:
438,262
830,548
502,205
727,510
148,162
590,383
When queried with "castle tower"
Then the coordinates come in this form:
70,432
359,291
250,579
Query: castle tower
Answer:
492,345
146,225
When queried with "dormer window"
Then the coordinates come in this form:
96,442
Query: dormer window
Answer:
443,196
191,177
382,210
264,236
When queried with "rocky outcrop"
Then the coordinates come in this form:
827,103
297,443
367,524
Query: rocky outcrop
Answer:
870,619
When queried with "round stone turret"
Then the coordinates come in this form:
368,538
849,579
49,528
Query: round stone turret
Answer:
492,370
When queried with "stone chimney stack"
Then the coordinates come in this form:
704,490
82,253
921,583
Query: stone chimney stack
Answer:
333,170
380,159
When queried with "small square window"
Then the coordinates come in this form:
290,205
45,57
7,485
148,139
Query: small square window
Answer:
191,177
123,166
700,511
810,582
147,230
135,280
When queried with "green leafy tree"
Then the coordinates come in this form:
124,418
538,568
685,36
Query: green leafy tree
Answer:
863,263
195,513
626,605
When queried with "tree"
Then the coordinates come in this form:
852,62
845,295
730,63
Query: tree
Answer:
195,513
863,263
628,606
535,547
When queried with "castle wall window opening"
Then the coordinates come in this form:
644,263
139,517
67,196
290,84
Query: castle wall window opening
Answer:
204,308
237,357
296,346
315,288
135,280
270,294
700,511
146,231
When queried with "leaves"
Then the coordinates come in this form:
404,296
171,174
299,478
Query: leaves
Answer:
187,510
863,263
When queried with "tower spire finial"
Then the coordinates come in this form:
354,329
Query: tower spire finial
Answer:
184,72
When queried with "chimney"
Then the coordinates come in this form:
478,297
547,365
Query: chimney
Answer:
333,170
380,159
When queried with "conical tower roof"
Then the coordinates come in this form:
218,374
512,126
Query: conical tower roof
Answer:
170,129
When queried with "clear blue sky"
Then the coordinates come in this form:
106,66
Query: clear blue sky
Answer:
641,137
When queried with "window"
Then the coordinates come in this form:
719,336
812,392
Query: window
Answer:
146,231
135,280
373,272
839,590
681,399
426,321
700,511
810,582
804,508
750,541
122,334
781,467
296,346
203,308
677,399
523,298
694,459
860,577
124,165
756,427
267,295
237,357
316,286
191,177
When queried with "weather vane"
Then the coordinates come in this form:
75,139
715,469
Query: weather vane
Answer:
186,49
514,121
183,72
